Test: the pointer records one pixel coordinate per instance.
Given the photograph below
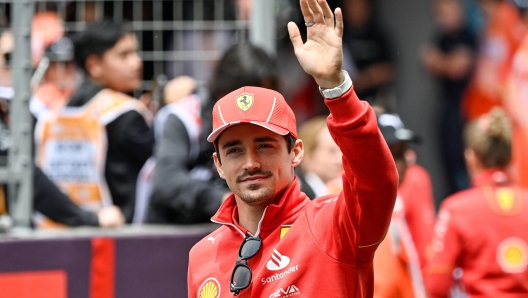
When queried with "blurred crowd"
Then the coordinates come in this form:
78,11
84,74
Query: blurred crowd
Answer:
104,158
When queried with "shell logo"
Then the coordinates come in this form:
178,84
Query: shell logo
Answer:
512,255
209,289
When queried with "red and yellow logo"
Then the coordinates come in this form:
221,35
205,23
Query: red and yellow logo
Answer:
505,198
512,255
244,101
209,289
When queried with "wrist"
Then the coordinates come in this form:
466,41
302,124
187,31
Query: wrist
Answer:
339,90
332,81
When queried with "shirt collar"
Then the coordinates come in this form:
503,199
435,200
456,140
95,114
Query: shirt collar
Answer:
494,176
285,211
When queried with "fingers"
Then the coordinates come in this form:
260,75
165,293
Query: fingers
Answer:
327,13
338,22
318,16
306,11
295,35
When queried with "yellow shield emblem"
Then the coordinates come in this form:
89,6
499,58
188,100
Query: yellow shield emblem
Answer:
244,101
505,198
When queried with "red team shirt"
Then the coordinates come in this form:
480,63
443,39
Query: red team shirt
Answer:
320,248
484,231
416,192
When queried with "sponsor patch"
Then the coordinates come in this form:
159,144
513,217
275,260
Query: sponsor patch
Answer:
512,255
278,276
209,289
289,291
277,261
284,230
505,198
244,101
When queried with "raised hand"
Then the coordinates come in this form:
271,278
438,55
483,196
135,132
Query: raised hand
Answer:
322,54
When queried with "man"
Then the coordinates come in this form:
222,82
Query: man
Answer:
291,245
96,146
450,59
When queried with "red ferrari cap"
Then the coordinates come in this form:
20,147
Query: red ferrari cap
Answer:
253,105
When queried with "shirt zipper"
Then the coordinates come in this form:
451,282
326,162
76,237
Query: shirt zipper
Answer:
240,231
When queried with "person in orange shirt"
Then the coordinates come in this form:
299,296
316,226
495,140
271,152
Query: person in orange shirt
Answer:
482,230
516,105
502,37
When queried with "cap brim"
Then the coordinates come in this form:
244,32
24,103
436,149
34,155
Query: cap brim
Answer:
274,128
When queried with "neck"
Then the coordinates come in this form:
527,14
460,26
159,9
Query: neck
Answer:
96,82
249,216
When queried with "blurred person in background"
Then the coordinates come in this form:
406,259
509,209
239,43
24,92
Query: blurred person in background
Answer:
321,168
95,147
400,257
516,105
502,34
370,49
47,198
55,78
186,185
482,230
47,28
451,58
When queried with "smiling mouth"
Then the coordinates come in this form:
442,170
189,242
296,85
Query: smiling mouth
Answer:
254,179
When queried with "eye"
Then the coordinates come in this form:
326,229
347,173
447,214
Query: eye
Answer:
232,151
264,146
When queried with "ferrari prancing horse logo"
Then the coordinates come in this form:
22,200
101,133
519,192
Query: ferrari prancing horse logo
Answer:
244,101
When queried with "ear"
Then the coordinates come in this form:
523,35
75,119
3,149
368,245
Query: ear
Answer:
297,152
218,165
472,161
94,66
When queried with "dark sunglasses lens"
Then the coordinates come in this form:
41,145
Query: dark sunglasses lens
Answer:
241,278
250,247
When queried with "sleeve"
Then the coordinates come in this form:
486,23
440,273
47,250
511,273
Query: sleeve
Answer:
445,252
50,201
174,190
363,210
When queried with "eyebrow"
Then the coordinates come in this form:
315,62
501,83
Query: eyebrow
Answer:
256,140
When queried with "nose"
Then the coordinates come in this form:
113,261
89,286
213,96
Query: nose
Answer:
251,161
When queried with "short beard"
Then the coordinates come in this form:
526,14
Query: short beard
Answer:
256,195
254,198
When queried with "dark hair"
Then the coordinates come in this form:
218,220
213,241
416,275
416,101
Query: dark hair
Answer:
243,65
290,141
96,39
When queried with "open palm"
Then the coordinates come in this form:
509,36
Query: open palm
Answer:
322,54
